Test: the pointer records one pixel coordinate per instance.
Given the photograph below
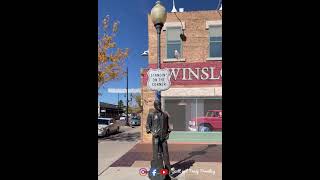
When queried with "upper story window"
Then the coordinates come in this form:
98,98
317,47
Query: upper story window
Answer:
174,43
215,41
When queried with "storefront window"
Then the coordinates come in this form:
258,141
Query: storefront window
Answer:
194,114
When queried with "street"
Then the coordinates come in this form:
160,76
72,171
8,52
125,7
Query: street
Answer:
112,147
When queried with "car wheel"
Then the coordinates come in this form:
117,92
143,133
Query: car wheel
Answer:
107,132
204,128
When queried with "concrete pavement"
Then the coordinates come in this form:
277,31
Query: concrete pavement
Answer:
113,147
122,173
110,151
121,156
199,171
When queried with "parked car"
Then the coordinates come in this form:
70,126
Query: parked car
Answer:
123,118
135,121
116,117
211,122
107,126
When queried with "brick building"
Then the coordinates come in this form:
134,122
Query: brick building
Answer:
196,70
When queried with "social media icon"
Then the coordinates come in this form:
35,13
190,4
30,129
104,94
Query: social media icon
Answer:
164,172
143,171
153,172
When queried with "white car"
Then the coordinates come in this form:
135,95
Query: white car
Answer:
123,118
107,126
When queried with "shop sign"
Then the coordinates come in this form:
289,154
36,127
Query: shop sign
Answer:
158,79
192,73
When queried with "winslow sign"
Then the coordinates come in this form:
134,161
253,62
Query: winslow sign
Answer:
189,74
192,73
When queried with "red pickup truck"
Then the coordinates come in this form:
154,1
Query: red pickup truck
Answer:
211,122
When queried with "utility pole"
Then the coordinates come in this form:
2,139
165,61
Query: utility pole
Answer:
127,98
118,105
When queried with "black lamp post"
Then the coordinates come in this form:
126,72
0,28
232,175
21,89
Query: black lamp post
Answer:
127,122
158,17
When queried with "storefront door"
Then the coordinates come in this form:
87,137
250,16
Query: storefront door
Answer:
177,115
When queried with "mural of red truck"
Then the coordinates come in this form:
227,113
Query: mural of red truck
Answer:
211,122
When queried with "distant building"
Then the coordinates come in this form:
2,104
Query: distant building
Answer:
109,110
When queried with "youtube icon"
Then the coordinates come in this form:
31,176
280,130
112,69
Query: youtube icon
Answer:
164,172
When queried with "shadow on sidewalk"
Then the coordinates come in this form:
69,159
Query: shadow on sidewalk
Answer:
184,165
123,137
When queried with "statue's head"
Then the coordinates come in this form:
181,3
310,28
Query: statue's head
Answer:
157,105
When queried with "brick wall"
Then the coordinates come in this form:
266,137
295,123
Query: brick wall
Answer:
194,49
148,99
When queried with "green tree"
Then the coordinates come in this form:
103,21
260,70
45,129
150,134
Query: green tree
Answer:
130,110
120,104
138,101
134,109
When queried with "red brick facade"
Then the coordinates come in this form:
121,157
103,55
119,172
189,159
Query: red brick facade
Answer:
195,52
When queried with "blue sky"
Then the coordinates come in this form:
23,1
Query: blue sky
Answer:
133,34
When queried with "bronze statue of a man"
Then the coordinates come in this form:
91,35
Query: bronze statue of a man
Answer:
158,126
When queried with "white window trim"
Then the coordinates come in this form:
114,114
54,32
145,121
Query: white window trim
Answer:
174,60
213,23
173,24
214,58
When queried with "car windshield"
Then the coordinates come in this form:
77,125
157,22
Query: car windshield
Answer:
103,121
214,114
209,114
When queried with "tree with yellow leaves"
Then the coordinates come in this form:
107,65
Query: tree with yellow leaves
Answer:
111,59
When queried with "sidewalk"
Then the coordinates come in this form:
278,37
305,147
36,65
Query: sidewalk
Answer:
113,147
191,161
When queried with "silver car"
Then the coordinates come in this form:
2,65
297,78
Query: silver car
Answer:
107,126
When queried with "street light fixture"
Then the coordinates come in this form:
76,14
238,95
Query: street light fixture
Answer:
158,14
158,17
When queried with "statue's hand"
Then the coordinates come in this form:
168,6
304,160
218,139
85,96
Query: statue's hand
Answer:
155,135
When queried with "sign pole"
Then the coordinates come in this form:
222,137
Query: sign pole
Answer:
159,27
